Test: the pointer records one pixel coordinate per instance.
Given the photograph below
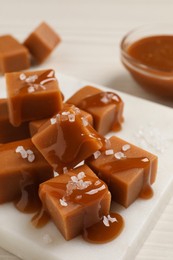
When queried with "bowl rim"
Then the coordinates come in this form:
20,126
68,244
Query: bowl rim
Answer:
130,61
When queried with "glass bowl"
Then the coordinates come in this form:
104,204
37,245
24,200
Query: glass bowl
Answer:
153,80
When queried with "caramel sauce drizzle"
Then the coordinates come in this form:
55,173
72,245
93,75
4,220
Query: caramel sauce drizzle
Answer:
101,233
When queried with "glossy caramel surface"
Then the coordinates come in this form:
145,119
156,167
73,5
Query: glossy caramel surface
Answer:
155,52
67,139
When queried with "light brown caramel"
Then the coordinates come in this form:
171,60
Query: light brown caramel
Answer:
67,139
128,171
32,95
18,175
42,41
105,107
75,200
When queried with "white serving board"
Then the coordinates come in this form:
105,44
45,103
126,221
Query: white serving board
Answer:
19,237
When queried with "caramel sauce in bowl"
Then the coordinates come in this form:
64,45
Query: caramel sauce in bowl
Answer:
147,53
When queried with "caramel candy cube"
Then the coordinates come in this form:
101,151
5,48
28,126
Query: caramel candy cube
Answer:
32,95
105,107
127,169
42,41
67,139
9,133
13,55
21,165
75,200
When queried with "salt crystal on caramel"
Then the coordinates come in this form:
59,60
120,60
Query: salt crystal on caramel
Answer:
127,169
105,107
65,140
21,166
32,95
42,41
75,200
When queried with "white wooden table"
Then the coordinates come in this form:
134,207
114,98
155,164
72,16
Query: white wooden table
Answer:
91,31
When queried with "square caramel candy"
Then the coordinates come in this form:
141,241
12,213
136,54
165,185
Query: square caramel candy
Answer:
42,41
13,55
21,165
75,200
127,169
105,107
34,126
8,132
32,95
67,139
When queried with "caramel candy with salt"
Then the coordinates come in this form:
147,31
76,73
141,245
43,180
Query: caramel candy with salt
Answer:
128,170
13,55
105,107
42,41
9,133
67,139
21,166
34,126
32,95
75,200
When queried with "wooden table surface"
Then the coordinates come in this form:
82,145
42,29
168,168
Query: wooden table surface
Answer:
91,31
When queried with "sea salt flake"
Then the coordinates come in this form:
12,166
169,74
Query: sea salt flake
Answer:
96,154
84,121
110,95
145,160
19,149
126,147
97,182
78,197
53,121
29,152
106,221
65,170
112,220
65,113
55,173
71,118
63,202
81,175
74,178
76,110
119,155
31,78
115,98
51,74
94,191
81,185
31,89
109,152
47,239
31,157
104,100
22,76
22,152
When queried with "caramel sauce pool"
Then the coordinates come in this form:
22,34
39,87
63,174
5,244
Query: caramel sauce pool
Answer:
99,233
155,52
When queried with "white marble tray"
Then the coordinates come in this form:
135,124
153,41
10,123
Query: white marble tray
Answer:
146,124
